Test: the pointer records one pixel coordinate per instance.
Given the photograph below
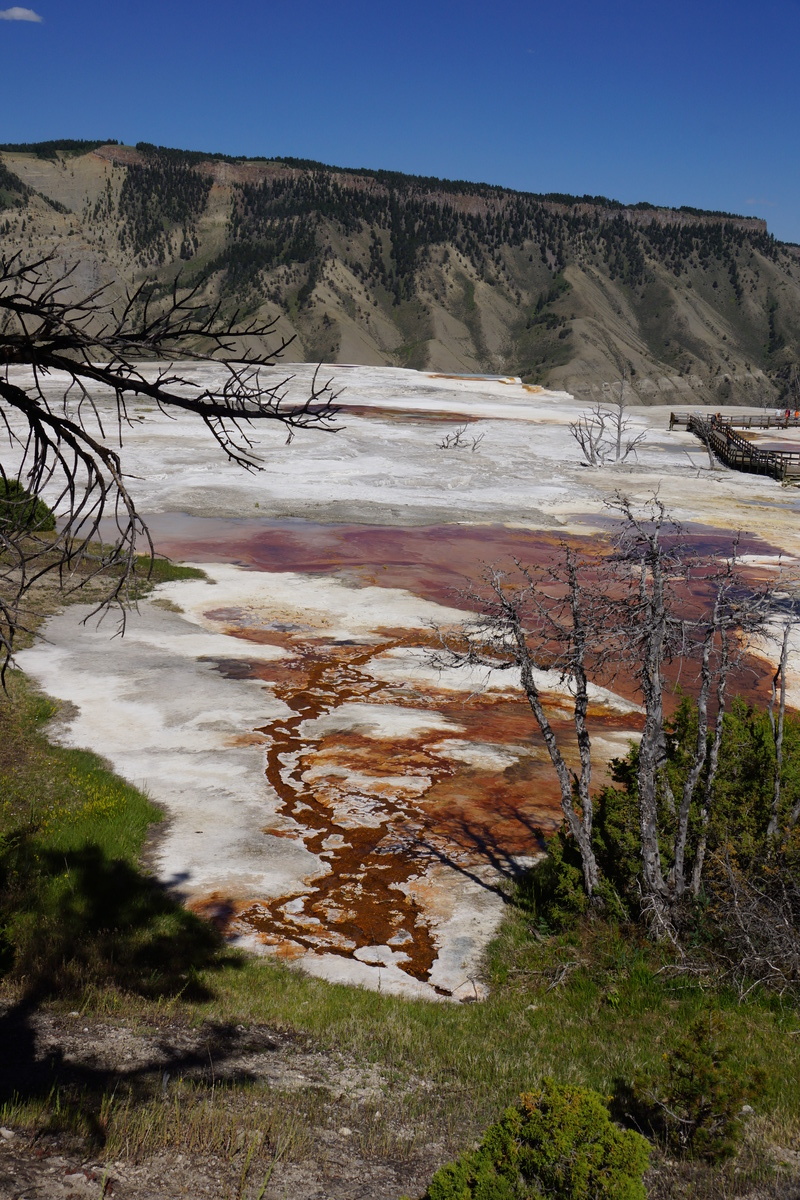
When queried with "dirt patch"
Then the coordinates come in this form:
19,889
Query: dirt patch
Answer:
36,1170
331,1118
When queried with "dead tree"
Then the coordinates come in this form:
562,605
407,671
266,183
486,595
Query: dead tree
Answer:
604,432
777,724
703,430
701,614
650,603
757,913
122,350
590,432
547,620
713,751
458,440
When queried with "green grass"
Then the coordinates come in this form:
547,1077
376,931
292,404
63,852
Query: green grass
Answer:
447,1071
92,931
67,795
611,1017
163,570
75,907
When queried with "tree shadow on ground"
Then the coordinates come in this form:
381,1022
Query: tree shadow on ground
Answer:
487,841
80,919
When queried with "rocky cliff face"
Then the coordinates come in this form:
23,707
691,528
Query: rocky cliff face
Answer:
377,267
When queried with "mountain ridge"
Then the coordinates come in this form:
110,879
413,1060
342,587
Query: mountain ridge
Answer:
380,267
286,167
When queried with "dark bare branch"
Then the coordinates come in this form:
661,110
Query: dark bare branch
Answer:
122,349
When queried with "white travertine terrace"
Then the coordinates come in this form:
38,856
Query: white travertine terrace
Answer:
161,704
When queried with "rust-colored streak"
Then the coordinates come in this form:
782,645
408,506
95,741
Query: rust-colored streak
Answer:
378,810
436,562
407,416
358,831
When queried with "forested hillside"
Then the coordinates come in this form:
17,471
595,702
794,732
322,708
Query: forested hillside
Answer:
377,267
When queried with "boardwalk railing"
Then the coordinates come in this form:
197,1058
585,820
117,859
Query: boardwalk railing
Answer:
764,420
720,435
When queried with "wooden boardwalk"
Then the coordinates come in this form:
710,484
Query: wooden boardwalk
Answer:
721,434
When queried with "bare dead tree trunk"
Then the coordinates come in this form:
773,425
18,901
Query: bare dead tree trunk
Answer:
580,827
589,431
581,635
658,632
602,432
777,725
549,623
720,631
653,635
711,774
698,761
705,438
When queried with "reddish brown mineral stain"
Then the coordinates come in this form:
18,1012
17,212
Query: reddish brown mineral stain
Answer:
436,562
407,416
372,853
380,810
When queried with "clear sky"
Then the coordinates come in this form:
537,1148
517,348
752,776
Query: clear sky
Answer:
688,102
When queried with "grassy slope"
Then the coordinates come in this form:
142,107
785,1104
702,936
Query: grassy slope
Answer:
93,932
446,1070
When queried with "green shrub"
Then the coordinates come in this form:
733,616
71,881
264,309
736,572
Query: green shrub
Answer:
695,1106
554,890
556,1143
736,832
19,510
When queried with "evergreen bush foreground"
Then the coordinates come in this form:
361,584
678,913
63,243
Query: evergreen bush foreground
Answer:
743,928
559,1143
20,510
556,1143
696,1106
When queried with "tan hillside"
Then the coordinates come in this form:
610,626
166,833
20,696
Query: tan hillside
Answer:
377,268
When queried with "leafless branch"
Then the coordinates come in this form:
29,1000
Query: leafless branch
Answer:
122,349
458,440
604,432
757,914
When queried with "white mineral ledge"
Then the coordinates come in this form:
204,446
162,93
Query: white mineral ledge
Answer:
156,705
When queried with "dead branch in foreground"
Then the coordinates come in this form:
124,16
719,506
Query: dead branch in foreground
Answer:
123,350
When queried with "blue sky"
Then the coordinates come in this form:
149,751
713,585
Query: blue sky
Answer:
676,103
